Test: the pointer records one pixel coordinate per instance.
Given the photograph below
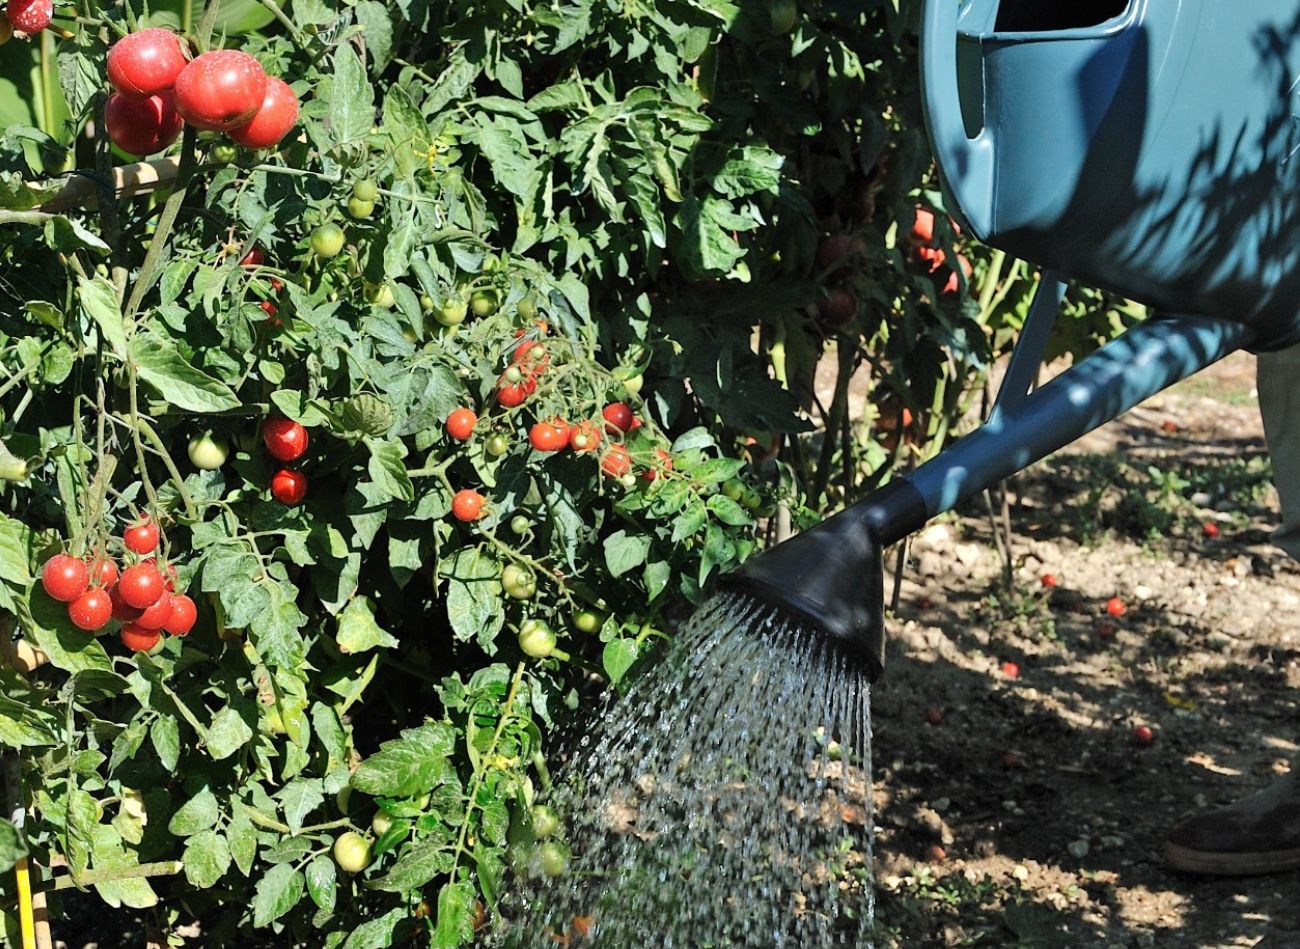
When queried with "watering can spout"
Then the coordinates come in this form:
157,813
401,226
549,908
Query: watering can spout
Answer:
966,163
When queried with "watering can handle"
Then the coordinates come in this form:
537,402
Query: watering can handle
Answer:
965,163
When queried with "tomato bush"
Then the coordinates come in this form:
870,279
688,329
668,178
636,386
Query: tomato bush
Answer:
444,401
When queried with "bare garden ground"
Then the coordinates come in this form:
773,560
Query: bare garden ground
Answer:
1019,810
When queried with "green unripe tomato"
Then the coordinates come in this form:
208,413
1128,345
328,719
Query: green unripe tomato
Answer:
513,375
733,489
327,240
484,302
527,307
223,153
491,263
497,445
518,583
381,822
520,524
545,822
381,296
365,190
426,303
553,858
587,621
207,452
631,378
452,312
536,639
352,852
751,498
360,209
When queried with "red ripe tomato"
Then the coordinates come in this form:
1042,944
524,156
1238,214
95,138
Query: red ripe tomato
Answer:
141,586
285,439
65,578
141,538
156,615
30,16
139,639
1115,606
184,613
1011,670
278,113
665,462
954,284
142,125
220,90
288,487
269,308
1143,735
121,611
146,63
467,505
103,572
254,257
168,573
619,416
934,256
923,225
511,394
546,437
1210,529
531,356
585,436
91,610
460,424
1049,580
616,462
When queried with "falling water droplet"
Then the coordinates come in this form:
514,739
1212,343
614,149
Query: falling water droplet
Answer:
724,801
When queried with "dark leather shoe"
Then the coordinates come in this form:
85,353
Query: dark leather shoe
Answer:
1258,834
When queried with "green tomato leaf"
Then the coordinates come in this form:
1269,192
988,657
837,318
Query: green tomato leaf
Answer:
417,866
352,105
412,764
299,798
624,551
12,845
358,630
165,735
159,363
474,606
227,733
455,925
617,657
322,882
377,933
206,858
277,893
388,470
198,813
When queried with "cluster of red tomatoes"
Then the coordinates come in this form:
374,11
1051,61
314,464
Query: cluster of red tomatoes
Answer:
142,598
922,237
159,88
528,362
286,440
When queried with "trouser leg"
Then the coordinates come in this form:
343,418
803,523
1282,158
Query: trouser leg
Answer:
1278,382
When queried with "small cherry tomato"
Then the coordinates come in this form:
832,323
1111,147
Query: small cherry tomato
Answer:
327,240
518,583
520,524
183,615
277,114
103,571
352,852
554,859
381,822
141,538
460,424
1143,735
360,209
142,125
207,452
511,394
141,586
1115,606
584,437
365,190
157,614
65,578
546,437
545,822
288,486
138,639
121,611
91,610
616,462
467,505
285,439
497,445
536,638
220,90
452,312
30,16
619,416
587,621
484,302
146,62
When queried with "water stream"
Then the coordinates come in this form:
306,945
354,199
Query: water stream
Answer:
724,801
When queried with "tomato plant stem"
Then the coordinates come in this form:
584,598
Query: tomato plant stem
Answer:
170,465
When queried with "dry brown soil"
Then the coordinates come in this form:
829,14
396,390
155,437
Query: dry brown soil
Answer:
1048,815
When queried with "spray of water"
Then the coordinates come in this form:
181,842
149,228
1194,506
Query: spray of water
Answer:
725,800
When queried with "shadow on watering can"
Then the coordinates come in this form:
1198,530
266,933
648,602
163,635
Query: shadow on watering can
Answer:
1148,147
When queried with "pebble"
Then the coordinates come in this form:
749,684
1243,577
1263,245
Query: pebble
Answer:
1078,848
1020,872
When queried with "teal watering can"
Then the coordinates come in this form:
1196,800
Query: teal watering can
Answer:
1150,147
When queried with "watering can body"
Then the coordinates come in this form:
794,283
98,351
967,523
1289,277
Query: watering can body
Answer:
1151,147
